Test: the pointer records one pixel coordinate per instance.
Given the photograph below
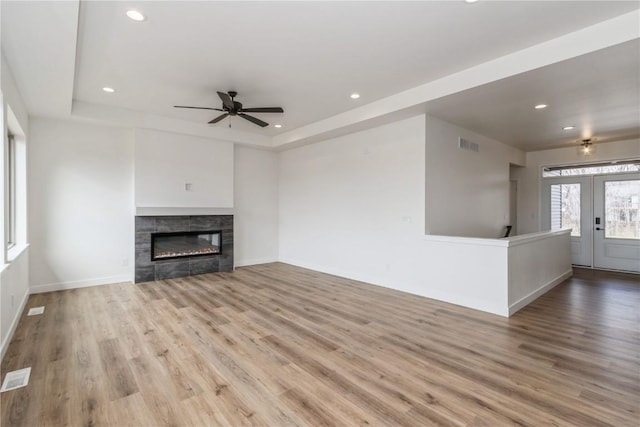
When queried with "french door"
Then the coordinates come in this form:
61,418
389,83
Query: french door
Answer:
616,239
566,202
603,214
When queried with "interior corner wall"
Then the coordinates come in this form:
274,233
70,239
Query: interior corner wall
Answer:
529,178
467,192
256,206
81,217
165,162
353,206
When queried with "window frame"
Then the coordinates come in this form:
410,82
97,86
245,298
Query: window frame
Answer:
11,178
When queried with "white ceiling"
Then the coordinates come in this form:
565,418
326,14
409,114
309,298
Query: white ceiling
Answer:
309,56
597,93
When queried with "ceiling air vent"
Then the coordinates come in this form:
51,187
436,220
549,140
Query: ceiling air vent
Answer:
468,145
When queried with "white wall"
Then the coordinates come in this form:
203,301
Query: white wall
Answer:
256,206
353,203
11,94
165,162
354,206
14,277
81,204
14,282
537,263
467,192
529,178
82,196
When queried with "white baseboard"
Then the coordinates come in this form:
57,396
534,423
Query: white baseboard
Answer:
500,310
14,325
528,299
247,262
51,287
337,272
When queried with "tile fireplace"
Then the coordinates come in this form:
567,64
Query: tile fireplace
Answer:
177,246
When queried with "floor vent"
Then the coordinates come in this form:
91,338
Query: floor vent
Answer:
468,145
16,379
35,310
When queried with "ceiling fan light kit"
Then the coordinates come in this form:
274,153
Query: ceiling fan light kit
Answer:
231,107
586,148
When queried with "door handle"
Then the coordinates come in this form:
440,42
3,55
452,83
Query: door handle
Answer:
600,229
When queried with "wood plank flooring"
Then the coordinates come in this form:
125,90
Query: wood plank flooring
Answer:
279,345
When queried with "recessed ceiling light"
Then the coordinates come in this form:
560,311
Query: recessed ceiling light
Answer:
108,89
540,106
470,1
568,127
277,126
354,95
135,15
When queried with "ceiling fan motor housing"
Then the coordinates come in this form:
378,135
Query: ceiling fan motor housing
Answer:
237,107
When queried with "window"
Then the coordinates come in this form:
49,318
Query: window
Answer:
11,190
592,169
622,200
15,188
565,207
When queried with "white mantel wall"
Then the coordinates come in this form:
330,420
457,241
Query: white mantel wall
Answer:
82,196
165,162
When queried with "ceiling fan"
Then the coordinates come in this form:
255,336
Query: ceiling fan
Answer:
230,107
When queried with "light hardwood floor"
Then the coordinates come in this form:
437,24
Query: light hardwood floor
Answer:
279,345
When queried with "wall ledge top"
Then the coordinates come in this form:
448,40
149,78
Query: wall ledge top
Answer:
504,242
171,211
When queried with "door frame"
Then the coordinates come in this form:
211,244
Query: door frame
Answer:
587,208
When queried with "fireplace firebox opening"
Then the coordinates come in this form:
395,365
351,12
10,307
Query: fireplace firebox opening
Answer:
185,244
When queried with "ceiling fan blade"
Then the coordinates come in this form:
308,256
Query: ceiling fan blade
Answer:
197,108
253,120
226,100
220,117
263,110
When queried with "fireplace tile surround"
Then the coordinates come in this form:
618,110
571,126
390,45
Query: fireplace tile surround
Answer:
147,270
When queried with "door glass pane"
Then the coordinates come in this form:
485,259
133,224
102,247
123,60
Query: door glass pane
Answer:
621,200
565,207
